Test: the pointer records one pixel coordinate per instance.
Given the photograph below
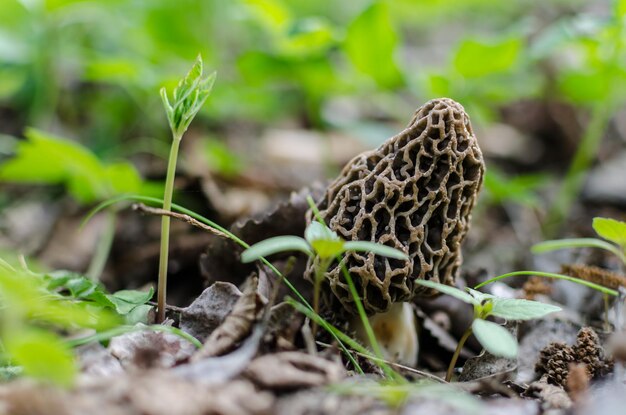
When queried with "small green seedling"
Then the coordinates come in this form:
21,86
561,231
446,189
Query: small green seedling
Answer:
188,97
324,246
613,233
493,337
321,242
611,230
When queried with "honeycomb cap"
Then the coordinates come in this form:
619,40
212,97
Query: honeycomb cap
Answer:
414,193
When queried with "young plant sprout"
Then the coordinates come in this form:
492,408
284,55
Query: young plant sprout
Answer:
187,99
493,337
321,242
610,230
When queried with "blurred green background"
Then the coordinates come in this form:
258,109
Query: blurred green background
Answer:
91,70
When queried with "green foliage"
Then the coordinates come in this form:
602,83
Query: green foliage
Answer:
494,338
131,305
589,284
31,318
41,354
520,189
612,230
319,240
187,99
39,309
221,159
476,58
371,43
46,159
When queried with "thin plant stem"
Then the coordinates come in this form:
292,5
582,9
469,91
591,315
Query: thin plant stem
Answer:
547,246
592,285
320,270
389,372
98,261
303,302
165,229
607,325
117,331
457,352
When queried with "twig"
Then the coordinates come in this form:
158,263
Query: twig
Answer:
180,216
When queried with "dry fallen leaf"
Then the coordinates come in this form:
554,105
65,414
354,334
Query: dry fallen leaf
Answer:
150,349
293,370
209,310
236,326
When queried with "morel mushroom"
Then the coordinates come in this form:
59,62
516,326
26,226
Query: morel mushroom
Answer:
415,193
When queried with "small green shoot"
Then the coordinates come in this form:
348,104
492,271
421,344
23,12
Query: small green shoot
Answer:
611,230
321,242
579,281
613,233
338,336
493,337
324,245
188,97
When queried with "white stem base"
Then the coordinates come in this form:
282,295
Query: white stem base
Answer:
396,333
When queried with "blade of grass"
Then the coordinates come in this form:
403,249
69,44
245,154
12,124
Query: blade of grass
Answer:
592,285
578,243
118,331
389,372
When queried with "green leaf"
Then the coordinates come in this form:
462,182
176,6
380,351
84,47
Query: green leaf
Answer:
520,189
547,246
517,309
134,296
274,245
495,339
446,289
187,98
139,314
328,248
42,355
308,36
325,242
46,159
126,300
611,230
475,58
579,281
583,87
378,249
479,296
317,231
370,45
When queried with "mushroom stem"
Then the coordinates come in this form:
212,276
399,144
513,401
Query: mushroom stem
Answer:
396,333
